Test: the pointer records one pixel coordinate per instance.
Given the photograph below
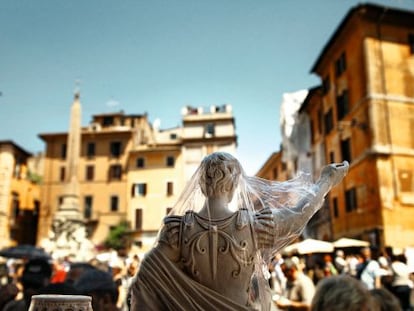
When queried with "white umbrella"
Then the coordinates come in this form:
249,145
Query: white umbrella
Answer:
309,246
347,242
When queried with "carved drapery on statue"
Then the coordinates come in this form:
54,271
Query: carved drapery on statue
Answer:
215,244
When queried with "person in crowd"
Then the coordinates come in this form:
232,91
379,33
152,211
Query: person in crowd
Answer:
8,292
383,300
118,271
401,283
340,293
368,271
299,287
386,274
101,287
59,288
36,275
76,270
340,262
59,272
329,268
277,279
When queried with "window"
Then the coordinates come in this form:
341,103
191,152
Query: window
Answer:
114,203
138,219
89,173
170,161
90,150
320,123
326,85
275,173
115,172
335,207
139,189
346,149
87,206
405,178
312,129
173,136
342,105
331,157
15,205
107,121
351,200
340,65
170,188
62,173
63,150
411,42
140,162
209,130
328,118
115,148
168,210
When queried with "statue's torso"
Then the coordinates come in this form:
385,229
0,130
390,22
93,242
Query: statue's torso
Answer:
217,253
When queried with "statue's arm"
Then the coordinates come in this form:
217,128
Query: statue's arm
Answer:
276,226
331,175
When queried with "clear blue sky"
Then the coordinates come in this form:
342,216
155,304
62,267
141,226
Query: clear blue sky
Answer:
158,56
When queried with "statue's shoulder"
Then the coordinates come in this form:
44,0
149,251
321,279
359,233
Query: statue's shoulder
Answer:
170,231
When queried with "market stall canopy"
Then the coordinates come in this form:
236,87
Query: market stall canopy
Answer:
309,246
24,251
347,242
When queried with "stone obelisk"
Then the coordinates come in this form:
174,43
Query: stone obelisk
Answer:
70,207
68,232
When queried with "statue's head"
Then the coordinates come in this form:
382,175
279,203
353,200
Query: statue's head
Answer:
219,174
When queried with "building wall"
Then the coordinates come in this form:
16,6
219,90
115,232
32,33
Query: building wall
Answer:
19,197
101,188
144,211
379,78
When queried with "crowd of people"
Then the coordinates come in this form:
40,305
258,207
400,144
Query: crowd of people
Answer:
358,281
107,282
361,281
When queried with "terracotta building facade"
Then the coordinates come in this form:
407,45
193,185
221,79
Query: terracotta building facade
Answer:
363,112
131,170
19,195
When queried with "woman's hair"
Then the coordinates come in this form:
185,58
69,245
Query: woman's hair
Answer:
340,293
220,173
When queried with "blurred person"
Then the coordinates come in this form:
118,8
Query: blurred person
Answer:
340,262
368,271
36,275
383,300
340,293
329,268
386,273
59,272
60,288
118,271
352,261
101,287
401,283
8,292
278,279
299,287
76,270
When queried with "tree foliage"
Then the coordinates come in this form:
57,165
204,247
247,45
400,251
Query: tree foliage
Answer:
117,238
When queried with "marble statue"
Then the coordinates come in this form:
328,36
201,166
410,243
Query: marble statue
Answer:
212,248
